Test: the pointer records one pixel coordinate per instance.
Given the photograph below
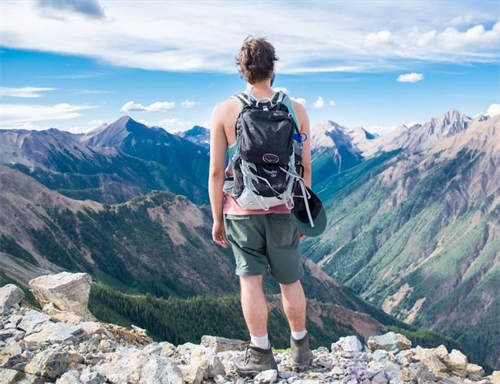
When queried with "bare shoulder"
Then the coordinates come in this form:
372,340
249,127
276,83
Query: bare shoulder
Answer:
226,106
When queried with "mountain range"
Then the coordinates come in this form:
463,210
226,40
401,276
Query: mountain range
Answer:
413,218
415,229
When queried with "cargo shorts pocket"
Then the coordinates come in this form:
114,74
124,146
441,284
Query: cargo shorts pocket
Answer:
282,231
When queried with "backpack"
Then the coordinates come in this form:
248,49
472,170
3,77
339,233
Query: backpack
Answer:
264,169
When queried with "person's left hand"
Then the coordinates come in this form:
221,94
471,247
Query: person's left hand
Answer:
218,233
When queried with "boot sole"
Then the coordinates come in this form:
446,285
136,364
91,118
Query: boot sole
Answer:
254,373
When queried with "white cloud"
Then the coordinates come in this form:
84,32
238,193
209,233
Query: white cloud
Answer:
377,38
493,110
188,104
157,106
412,77
26,92
426,38
176,36
332,103
319,103
474,37
299,100
173,124
21,115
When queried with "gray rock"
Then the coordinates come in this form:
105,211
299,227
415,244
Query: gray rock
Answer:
265,377
9,376
219,344
379,378
52,363
390,341
32,321
349,344
11,333
67,291
456,361
70,377
132,365
53,333
10,296
474,371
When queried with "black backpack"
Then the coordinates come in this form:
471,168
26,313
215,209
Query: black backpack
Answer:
266,165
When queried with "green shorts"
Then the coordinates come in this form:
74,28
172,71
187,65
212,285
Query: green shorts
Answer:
265,242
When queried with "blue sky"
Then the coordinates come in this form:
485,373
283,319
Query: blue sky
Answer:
76,65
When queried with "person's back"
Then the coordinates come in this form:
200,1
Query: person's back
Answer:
266,239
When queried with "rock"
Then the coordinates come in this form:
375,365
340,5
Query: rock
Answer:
70,377
441,352
132,365
10,296
9,376
379,378
57,314
67,291
349,344
265,377
192,375
389,342
127,336
474,371
206,360
32,321
52,363
457,361
495,377
220,344
53,333
435,365
11,333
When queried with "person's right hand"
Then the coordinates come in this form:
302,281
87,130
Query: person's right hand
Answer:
302,236
218,234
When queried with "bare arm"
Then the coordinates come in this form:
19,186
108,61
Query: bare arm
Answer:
306,148
218,145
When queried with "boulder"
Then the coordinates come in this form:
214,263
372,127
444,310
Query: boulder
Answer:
220,344
53,333
349,344
32,321
206,359
266,377
66,291
435,365
9,376
457,361
389,341
132,365
495,377
52,363
10,296
474,371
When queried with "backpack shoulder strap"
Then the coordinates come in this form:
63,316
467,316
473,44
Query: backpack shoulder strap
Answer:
288,102
244,99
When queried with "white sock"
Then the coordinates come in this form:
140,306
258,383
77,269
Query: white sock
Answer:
260,341
299,335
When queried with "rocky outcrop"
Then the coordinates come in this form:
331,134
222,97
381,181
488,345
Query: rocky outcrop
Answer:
63,292
10,296
36,347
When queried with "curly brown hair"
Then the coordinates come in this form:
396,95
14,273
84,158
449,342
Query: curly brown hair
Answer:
255,59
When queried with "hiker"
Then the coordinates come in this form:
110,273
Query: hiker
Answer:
251,197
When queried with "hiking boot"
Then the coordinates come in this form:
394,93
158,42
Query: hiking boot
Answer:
256,360
301,354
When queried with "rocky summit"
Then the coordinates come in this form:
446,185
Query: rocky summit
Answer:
56,345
